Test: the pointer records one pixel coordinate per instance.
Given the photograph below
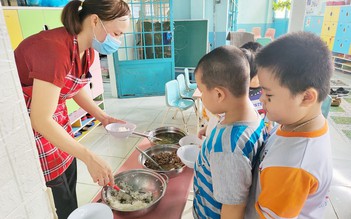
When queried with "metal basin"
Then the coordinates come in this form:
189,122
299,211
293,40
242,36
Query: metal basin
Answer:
168,134
139,179
154,150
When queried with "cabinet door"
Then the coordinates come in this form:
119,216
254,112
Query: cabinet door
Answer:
52,18
345,14
32,21
335,14
328,13
13,27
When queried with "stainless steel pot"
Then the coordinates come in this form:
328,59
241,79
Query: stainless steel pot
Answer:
163,132
156,150
139,179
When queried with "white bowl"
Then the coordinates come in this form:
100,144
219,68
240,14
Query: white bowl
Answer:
189,140
120,130
92,211
188,154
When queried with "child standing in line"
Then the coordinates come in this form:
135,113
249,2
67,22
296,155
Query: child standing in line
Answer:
254,91
223,175
296,168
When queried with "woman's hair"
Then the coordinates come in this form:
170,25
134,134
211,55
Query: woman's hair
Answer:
76,11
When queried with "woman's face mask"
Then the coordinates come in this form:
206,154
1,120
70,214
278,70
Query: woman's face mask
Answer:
109,46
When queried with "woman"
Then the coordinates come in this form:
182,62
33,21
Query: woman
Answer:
53,66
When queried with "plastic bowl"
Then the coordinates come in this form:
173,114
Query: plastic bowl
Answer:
190,140
188,154
92,211
120,130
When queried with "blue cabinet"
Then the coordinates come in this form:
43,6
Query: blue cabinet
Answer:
314,24
345,14
341,45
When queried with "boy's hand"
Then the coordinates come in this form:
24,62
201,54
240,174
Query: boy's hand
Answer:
202,132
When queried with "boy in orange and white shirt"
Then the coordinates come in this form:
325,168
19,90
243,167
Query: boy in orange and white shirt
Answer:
295,169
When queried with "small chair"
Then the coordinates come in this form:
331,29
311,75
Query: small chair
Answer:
184,92
256,32
326,106
190,86
174,100
264,40
270,32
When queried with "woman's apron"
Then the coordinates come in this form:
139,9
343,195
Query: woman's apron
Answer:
53,160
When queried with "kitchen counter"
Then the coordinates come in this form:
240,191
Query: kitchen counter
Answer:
173,203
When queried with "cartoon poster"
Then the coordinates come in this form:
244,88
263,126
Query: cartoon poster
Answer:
315,7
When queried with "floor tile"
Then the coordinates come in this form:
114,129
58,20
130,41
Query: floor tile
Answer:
86,192
83,173
341,198
109,145
188,213
342,172
330,212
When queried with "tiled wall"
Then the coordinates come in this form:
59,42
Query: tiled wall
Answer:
23,193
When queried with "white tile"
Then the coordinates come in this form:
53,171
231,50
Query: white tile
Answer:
188,212
329,211
341,173
109,145
83,173
90,139
142,115
19,213
10,197
85,193
340,198
37,206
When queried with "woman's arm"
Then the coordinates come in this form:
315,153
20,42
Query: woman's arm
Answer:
87,103
44,102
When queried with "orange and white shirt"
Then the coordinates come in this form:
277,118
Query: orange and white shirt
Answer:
295,175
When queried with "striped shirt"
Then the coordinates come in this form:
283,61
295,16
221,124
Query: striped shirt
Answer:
223,168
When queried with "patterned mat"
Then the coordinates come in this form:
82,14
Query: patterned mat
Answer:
341,117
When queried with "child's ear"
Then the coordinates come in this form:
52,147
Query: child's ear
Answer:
220,94
310,96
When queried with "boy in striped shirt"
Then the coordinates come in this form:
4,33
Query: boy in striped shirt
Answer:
223,175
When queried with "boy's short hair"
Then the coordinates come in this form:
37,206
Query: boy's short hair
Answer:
299,61
250,49
253,46
227,67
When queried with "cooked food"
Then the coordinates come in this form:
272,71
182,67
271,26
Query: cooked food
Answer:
123,129
131,200
166,160
168,138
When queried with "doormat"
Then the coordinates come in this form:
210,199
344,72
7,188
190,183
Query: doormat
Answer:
340,117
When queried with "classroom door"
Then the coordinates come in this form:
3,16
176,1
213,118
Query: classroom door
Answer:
145,61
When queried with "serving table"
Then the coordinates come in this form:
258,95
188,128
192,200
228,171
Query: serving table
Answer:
173,203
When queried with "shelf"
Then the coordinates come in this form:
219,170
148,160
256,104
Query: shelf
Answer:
84,123
97,123
76,115
341,69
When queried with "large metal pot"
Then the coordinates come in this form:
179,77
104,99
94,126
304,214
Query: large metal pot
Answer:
139,180
166,133
156,150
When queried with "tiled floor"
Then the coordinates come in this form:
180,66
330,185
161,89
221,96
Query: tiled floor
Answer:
148,113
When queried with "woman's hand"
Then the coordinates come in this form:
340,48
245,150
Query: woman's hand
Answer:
99,171
108,119
202,132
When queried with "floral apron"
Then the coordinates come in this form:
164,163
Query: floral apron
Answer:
53,160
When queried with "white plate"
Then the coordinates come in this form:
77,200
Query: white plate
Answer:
92,211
